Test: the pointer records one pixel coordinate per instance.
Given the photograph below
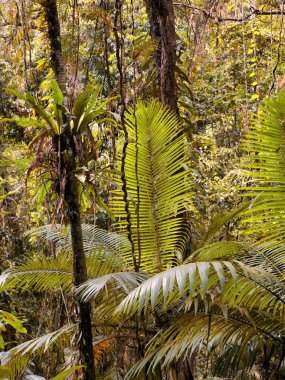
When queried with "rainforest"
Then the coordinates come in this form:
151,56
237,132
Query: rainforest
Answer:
142,190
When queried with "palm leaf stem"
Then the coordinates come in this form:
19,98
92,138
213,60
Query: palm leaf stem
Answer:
265,288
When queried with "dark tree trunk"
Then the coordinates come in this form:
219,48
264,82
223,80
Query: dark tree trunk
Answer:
180,371
154,27
51,17
162,28
67,151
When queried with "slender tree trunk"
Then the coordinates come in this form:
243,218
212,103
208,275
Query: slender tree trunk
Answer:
162,28
67,153
154,30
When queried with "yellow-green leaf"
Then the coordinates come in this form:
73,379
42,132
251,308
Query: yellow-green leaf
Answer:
64,374
12,321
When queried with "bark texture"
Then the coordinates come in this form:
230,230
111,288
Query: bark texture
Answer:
162,28
67,153
180,371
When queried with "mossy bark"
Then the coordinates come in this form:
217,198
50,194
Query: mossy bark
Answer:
162,29
66,150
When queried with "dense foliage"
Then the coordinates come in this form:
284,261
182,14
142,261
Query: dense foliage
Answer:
142,178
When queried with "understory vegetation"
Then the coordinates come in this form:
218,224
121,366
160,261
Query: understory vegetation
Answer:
142,173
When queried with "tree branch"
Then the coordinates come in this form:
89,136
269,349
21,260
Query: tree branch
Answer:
255,12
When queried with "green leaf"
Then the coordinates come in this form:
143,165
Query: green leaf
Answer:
219,221
4,371
13,321
63,375
43,191
104,207
25,122
171,285
2,344
3,197
31,101
18,357
158,188
121,281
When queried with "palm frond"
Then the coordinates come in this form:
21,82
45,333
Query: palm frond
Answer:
222,250
121,281
157,186
94,238
257,289
235,282
208,331
235,362
219,221
41,273
264,165
18,357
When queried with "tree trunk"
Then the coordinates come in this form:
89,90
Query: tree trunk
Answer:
67,152
154,30
180,371
162,28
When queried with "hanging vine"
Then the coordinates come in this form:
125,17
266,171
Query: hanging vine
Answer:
119,57
278,50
